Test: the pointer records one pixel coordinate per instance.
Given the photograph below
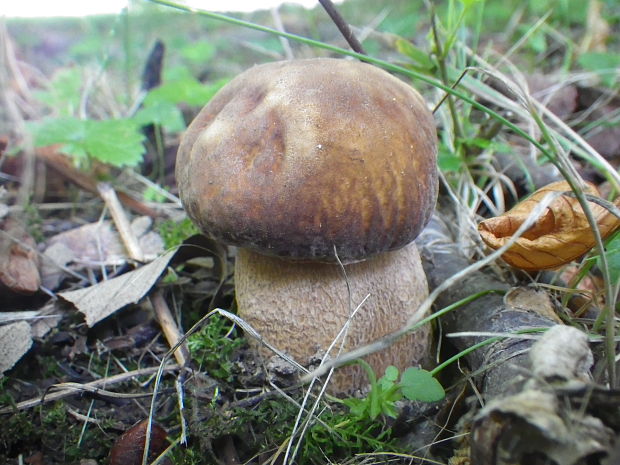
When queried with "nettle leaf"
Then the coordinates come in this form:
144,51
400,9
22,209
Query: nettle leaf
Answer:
117,142
418,384
57,131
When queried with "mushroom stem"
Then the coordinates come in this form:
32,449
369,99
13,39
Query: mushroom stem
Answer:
302,307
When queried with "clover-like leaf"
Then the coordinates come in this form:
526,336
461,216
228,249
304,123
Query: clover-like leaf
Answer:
421,385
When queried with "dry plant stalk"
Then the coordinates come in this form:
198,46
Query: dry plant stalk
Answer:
169,327
108,194
560,235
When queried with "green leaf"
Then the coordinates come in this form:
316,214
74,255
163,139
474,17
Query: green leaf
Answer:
470,3
391,373
357,407
613,257
375,402
198,52
117,142
417,384
185,90
448,160
64,92
601,61
57,131
420,57
598,61
162,113
389,409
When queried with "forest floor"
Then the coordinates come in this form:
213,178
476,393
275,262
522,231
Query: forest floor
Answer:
101,272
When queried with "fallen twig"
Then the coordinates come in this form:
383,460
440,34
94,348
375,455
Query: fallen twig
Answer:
93,386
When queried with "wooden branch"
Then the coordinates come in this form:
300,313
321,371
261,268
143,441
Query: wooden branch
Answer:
342,26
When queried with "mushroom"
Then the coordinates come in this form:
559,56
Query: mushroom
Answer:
305,165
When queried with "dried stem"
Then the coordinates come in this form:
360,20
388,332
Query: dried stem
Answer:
169,327
108,194
342,26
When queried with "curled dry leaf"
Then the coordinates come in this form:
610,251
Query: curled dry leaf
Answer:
560,235
129,448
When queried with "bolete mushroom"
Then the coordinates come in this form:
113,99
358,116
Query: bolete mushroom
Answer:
305,163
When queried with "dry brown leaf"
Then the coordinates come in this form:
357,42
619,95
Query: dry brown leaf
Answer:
560,235
532,300
103,299
15,341
19,261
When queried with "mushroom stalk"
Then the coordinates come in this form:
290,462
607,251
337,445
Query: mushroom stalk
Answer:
302,307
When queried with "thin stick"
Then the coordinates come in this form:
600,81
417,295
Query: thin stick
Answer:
169,327
76,388
342,26
286,45
108,194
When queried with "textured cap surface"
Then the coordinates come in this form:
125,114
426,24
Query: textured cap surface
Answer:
296,158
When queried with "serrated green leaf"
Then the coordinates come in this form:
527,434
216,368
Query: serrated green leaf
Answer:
118,142
57,131
417,384
64,92
162,113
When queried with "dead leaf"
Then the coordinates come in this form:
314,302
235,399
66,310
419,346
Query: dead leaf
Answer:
15,341
531,300
18,259
534,423
94,245
101,300
129,448
561,234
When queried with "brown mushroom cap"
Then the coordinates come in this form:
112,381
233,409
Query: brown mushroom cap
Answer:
295,158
